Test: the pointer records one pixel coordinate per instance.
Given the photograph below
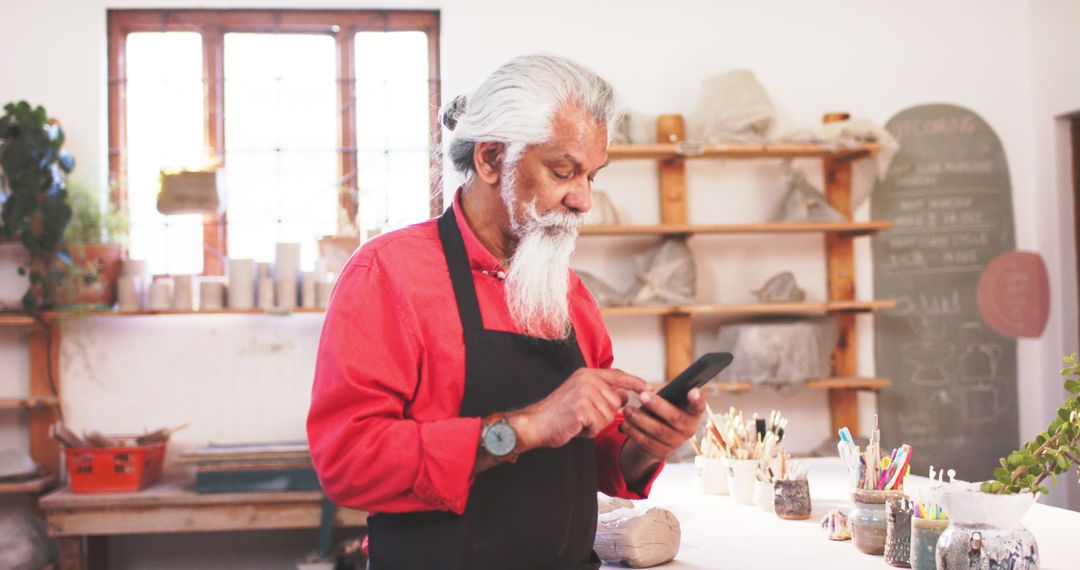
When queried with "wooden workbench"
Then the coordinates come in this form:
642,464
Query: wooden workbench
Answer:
172,506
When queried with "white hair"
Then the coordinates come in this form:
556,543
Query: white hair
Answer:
516,106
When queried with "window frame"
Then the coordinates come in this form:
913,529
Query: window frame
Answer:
342,25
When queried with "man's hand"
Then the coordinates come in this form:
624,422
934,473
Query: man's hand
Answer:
652,440
583,405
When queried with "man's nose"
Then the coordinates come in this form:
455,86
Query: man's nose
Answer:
579,199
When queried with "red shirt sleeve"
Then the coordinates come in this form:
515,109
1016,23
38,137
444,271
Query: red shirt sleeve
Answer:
609,443
368,452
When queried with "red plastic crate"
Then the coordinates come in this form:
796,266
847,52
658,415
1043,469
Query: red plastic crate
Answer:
114,469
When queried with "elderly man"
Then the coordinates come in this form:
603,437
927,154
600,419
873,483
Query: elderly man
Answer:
463,392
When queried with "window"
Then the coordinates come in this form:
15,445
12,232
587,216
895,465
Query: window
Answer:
324,122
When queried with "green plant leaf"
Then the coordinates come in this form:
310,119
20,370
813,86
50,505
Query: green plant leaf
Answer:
1072,386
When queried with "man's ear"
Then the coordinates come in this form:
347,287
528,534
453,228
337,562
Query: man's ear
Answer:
488,161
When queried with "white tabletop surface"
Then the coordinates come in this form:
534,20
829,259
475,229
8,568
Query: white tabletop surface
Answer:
718,533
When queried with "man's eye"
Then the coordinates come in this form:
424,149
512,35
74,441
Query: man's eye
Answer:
562,175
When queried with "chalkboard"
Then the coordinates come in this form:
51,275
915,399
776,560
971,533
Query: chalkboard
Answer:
954,379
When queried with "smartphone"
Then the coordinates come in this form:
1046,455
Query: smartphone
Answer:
695,376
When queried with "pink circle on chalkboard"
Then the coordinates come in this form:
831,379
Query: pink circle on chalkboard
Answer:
1014,294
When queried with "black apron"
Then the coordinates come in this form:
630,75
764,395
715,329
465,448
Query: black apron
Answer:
538,513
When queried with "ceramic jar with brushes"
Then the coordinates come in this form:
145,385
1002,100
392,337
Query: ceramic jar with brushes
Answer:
928,521
711,472
791,491
898,533
749,450
876,479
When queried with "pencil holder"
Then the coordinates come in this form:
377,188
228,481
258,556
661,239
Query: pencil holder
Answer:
792,499
924,536
867,519
712,477
897,534
742,473
763,495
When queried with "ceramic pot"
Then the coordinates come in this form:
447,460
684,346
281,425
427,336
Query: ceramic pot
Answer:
792,499
867,519
897,534
924,538
985,532
712,476
99,266
742,473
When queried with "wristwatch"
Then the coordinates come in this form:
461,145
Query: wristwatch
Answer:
498,438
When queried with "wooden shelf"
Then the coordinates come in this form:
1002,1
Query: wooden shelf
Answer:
853,229
754,309
822,384
39,485
75,314
15,320
38,403
736,151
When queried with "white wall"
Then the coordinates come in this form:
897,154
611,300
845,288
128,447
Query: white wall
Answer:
1055,93
239,378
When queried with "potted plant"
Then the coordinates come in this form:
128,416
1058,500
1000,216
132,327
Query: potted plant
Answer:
92,240
985,529
33,194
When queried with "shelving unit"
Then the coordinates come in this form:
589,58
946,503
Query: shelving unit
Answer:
41,404
671,160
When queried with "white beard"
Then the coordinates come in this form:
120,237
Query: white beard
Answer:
538,279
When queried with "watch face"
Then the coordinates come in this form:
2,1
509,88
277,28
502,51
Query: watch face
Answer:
499,439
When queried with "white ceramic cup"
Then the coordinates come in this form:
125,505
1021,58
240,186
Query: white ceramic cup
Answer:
211,294
286,292
742,473
764,496
266,293
127,293
183,292
712,475
161,295
241,284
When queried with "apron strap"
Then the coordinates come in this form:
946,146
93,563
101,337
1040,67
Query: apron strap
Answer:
457,260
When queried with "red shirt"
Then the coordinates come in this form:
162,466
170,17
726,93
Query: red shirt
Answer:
383,427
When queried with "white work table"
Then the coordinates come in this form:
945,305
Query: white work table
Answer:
718,533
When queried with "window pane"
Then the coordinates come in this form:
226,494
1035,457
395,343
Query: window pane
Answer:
392,128
164,130
281,129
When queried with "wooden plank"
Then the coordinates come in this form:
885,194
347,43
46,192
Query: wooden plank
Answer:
33,403
194,518
822,384
840,271
854,229
44,346
673,206
668,151
754,309
679,343
349,190
38,485
16,320
852,383
215,226
57,315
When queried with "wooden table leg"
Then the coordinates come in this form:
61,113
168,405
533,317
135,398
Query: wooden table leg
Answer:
72,553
